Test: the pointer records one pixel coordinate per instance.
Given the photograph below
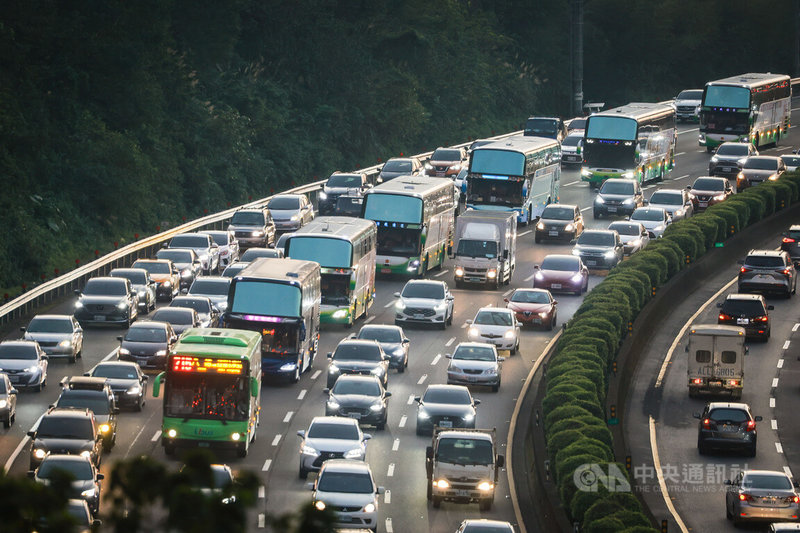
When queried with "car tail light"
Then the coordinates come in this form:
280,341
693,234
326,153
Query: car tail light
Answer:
723,316
733,382
697,381
786,272
761,318
792,499
751,425
743,496
706,423
788,240
743,270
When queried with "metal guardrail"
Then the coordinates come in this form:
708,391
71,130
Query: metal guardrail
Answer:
56,288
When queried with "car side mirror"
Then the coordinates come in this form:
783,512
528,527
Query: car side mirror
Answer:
386,357
119,338
22,329
468,321
326,390
330,355
476,401
301,433
406,341
759,418
100,477
696,415
505,300
31,434
448,356
387,394
115,411
573,241
45,357
740,262
145,377
310,486
770,307
397,295
381,490
429,452
450,298
688,187
76,292
367,436
417,399
501,461
645,202
501,359
13,392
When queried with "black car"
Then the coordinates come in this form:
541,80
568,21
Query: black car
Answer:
206,310
186,261
791,243
729,158
107,300
147,344
445,406
549,127
93,393
232,270
354,356
749,311
399,166
256,253
253,227
339,184
348,206
85,477
68,431
618,197
559,221
127,382
725,426
361,397
394,342
599,248
180,318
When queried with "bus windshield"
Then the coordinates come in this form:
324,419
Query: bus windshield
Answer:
617,128
397,241
330,253
266,298
191,395
495,192
335,289
499,162
393,208
727,96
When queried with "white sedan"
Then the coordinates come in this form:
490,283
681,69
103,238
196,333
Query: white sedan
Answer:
495,325
654,219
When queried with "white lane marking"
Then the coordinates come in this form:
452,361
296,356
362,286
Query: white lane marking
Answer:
681,133
786,345
387,497
570,183
389,526
266,466
586,209
302,394
788,471
442,273
680,153
450,342
369,319
288,416
530,277
509,291
14,455
464,325
110,355
262,520
774,424
524,233
660,475
774,382
778,447
390,470
387,306
648,187
772,402
422,379
794,328
780,363
681,177
410,399
436,359
262,492
155,436
783,149
277,439
396,445
403,420
316,374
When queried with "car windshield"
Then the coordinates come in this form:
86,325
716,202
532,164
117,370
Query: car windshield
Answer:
572,140
465,451
2,386
282,203
380,334
79,470
761,163
105,287
474,353
18,351
216,287
357,352
189,241
433,291
733,149
558,213
248,218
219,237
650,215
693,94
114,371
326,430
201,305
137,278
146,334
743,307
221,477
791,160
617,187
625,229
65,428
446,154
728,415
596,238
666,198
397,166
766,481
563,264
494,318
709,184
254,253
770,261
359,387
450,396
541,126
530,297
50,325
176,256
344,181
154,267
347,482
173,316
96,402
577,124
232,270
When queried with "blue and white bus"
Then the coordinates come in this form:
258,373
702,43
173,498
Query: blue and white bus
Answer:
519,174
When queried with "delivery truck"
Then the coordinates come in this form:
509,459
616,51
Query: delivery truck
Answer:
716,359
485,246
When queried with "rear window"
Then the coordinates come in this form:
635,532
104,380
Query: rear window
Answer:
743,307
728,415
764,261
728,357
702,356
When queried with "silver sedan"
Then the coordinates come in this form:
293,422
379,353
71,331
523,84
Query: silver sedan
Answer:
475,363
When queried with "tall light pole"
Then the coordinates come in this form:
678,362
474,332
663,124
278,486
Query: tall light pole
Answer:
576,55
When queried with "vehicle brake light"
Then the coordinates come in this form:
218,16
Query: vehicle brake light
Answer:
792,499
707,423
788,240
744,269
723,316
697,381
751,425
761,318
745,497
786,272
733,382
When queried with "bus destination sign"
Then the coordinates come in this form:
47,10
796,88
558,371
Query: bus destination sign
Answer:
209,365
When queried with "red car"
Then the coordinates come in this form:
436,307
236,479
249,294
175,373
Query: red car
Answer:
562,273
534,307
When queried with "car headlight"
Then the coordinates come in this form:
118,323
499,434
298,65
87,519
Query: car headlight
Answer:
39,453
679,212
105,428
569,227
161,353
599,200
627,201
369,508
288,367
332,368
378,370
122,306
89,493
257,233
136,389
320,505
310,450
714,159
3,404
376,407
428,166
627,175
186,273
491,274
65,344
485,486
398,352
719,197
609,254
78,305
490,371
333,404
423,415
459,272
124,351
167,284
660,227
295,218
453,368
509,334
323,196
540,225
740,176
229,500
575,251
543,314
586,172
474,332
32,368
440,307
577,277
400,305
539,276
773,177
340,313
87,454
469,417
442,484
636,242
355,453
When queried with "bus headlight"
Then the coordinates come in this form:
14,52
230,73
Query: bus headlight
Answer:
459,272
288,367
341,313
586,172
172,433
442,484
628,175
485,486
236,436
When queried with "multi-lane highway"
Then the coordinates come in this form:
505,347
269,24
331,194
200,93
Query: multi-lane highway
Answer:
396,454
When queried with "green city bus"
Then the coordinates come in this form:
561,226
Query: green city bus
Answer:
753,108
345,248
415,218
634,141
212,390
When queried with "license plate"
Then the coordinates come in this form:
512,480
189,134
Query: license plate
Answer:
763,277
611,209
703,204
553,233
474,279
590,262
419,316
99,318
472,378
462,493
716,383
357,416
446,423
536,321
386,271
440,173
729,429
202,444
555,285
744,321
726,169
13,379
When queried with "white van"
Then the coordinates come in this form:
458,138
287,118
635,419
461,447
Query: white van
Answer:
716,359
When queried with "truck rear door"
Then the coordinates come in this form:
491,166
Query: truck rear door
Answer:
728,363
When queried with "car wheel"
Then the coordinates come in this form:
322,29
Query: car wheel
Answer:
536,239
41,385
420,431
72,359
585,286
7,421
485,504
701,447
429,489
752,451
496,388
302,473
402,367
140,404
436,501
169,449
296,376
728,513
513,350
553,322
596,214
449,320
382,424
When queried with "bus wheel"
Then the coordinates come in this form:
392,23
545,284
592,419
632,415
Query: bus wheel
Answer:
169,449
241,450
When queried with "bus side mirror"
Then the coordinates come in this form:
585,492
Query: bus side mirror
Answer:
157,384
254,388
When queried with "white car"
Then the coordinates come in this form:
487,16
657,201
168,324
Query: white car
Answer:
424,302
633,235
330,437
497,326
228,246
349,489
572,147
676,202
792,161
654,219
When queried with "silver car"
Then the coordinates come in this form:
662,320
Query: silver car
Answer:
676,202
761,496
687,105
633,235
25,363
203,245
142,283
654,219
426,302
330,437
571,148
497,326
213,287
57,335
475,363
8,401
228,246
290,211
348,489
768,271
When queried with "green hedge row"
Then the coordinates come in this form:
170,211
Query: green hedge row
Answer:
575,421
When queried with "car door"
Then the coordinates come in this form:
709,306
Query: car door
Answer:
77,335
133,299
578,222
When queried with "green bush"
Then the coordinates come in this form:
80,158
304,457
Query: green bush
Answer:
636,281
608,302
671,252
583,500
566,396
578,356
564,412
591,321
768,194
580,424
592,333
639,529
794,189
632,518
686,243
572,337
586,378
607,524
601,433
634,295
709,228
783,193
651,263
729,214
688,226
558,440
755,204
722,229
565,471
585,445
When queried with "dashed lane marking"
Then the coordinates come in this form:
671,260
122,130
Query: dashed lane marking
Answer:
780,363
316,374
509,291
14,455
442,273
155,436
387,497
436,359
288,416
586,209
410,399
530,277
778,447
262,492
390,470
680,153
422,379
786,345
774,424
277,439
110,355
369,319
387,306
464,325
403,420
396,445
450,342
772,402
302,394
774,382
788,471
262,520
389,528
266,466
524,233
794,328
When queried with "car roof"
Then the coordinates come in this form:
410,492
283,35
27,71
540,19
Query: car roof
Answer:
346,465
107,279
529,289
481,523
148,324
401,159
767,472
251,209
67,317
69,412
745,297
442,386
794,227
472,344
728,405
116,363
423,282
731,143
564,256
288,195
766,253
715,178
568,206
73,458
669,191
649,208
152,261
19,343
492,308
368,327
338,420
763,157
214,232
359,377
85,383
130,270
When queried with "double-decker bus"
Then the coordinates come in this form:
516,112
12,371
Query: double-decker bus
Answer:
415,219
280,299
634,141
212,390
751,107
519,174
345,248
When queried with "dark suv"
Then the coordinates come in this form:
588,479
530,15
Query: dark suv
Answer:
340,184
353,356
791,243
727,425
95,394
253,227
729,158
749,311
618,197
768,271
69,431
